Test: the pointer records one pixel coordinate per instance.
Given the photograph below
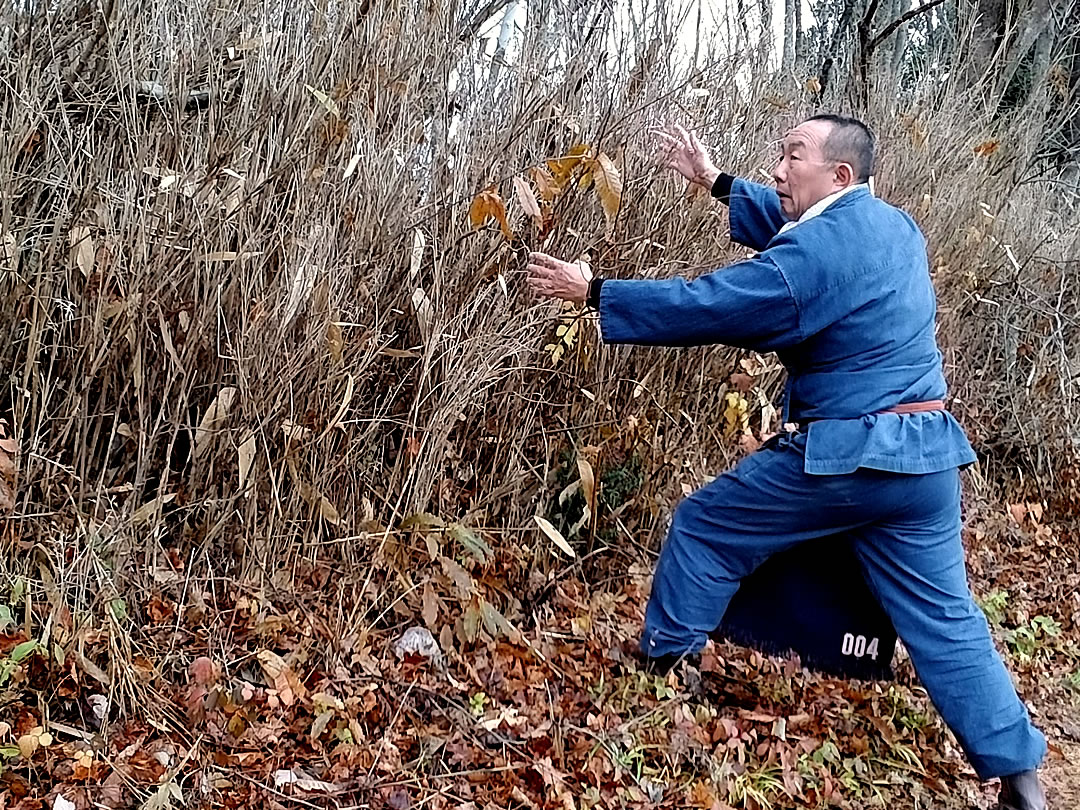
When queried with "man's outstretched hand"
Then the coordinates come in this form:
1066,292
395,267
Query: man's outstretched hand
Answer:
554,278
682,151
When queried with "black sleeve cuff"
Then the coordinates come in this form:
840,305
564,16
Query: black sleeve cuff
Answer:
721,189
593,298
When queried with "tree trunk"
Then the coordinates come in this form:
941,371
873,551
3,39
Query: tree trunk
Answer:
987,32
800,36
788,62
506,29
1035,20
900,42
766,25
839,34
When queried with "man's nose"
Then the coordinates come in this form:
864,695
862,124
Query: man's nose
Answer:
779,175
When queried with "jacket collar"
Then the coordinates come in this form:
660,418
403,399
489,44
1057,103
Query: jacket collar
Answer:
820,206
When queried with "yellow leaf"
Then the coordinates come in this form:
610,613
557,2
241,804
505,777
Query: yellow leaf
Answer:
213,418
342,408
327,511
293,431
282,678
608,186
549,189
335,342
562,168
588,482
148,509
987,148
736,417
28,745
526,197
82,250
813,85
430,605
555,536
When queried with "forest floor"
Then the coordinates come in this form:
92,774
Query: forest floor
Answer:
247,698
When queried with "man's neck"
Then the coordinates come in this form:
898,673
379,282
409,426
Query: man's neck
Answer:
821,205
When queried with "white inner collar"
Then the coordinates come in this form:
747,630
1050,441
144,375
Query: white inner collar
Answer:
821,205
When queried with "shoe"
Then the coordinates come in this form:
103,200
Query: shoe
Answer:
1021,791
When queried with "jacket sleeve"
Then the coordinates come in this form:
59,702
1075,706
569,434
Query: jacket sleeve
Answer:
755,214
748,305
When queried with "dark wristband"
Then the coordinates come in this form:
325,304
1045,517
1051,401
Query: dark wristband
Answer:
721,187
593,298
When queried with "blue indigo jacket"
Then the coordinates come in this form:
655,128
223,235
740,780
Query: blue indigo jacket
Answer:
846,302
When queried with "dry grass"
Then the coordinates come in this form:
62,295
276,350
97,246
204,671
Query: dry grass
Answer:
118,346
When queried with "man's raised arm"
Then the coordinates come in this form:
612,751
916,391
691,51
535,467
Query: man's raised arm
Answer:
755,209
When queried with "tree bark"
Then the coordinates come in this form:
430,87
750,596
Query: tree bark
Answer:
1033,22
835,43
788,61
900,43
766,24
986,35
800,36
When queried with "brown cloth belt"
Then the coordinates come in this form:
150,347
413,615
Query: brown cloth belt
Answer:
918,407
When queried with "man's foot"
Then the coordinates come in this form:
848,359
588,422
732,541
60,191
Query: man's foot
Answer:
1021,791
660,664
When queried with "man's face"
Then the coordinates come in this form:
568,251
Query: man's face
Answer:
803,175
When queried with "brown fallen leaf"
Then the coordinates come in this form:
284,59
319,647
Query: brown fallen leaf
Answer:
284,680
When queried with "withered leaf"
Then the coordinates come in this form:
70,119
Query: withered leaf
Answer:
526,197
608,186
489,205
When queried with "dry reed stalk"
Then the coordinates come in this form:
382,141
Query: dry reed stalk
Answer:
214,214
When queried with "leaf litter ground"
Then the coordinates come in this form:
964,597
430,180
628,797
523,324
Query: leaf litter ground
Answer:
251,701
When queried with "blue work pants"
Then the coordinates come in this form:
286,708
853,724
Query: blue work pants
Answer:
906,534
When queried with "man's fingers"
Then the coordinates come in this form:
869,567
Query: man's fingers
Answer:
685,137
665,138
698,145
543,260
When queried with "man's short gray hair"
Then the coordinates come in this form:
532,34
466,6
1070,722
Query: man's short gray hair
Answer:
849,141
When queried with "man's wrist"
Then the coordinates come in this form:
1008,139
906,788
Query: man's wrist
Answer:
708,177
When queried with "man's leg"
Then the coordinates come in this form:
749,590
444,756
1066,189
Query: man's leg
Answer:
725,530
915,564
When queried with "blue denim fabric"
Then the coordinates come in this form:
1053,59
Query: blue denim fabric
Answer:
905,531
846,302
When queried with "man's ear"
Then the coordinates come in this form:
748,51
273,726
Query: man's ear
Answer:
845,175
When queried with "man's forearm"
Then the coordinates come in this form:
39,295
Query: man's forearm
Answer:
720,189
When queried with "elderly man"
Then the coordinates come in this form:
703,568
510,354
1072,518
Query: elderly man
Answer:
840,290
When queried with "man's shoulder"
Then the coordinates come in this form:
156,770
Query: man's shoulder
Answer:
860,223
866,239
